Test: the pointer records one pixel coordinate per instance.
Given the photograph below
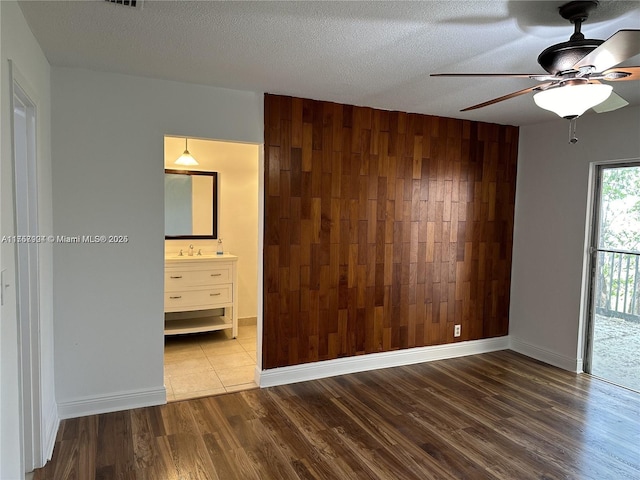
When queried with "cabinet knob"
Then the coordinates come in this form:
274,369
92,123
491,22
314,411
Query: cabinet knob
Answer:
216,274
177,276
179,296
214,294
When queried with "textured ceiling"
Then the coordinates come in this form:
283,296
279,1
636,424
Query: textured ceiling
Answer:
378,54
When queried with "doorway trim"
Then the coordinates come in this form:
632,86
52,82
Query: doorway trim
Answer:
25,212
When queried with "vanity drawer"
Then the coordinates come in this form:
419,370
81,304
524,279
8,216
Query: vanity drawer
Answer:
179,279
213,297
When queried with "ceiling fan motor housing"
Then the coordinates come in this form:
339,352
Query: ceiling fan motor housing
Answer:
561,57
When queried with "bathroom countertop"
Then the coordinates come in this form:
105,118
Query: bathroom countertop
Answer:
175,258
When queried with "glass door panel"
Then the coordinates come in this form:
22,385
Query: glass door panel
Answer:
613,347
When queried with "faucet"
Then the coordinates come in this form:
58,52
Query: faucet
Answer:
191,250
180,254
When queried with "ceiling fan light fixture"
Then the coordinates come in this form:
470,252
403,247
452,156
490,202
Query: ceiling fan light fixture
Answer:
186,159
571,101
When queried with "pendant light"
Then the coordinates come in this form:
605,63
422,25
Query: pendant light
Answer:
186,158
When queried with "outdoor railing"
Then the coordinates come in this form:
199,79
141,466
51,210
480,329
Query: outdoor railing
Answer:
618,284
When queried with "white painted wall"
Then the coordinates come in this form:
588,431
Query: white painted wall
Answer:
238,169
20,46
108,132
552,209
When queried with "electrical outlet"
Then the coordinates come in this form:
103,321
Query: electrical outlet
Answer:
456,330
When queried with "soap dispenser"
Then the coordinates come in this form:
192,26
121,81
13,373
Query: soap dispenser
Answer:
219,251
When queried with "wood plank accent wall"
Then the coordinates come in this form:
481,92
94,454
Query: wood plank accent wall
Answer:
382,230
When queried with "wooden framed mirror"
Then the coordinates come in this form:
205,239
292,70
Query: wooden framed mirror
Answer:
190,204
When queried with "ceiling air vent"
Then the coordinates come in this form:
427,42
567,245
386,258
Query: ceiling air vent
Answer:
127,3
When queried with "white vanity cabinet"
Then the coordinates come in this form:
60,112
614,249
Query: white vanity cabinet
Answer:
200,283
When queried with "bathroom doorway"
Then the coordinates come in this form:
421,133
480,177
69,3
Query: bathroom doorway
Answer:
214,362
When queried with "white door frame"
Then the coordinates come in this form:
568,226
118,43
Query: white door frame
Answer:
25,189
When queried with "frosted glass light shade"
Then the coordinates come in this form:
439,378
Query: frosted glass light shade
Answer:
571,101
186,159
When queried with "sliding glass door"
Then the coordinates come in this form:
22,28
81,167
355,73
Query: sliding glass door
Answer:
613,346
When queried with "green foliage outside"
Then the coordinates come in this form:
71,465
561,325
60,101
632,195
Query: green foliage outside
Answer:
619,273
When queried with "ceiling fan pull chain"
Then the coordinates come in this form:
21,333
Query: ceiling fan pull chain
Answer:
572,130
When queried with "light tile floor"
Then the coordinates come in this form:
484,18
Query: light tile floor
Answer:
206,364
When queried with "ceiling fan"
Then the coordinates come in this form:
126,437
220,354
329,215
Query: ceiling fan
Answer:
576,70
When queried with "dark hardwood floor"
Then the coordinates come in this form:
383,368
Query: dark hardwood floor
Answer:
491,416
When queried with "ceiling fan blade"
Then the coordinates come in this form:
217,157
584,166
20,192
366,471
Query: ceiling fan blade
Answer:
507,97
621,74
614,102
619,47
533,76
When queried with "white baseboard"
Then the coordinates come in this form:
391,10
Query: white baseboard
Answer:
50,432
374,361
112,403
546,356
